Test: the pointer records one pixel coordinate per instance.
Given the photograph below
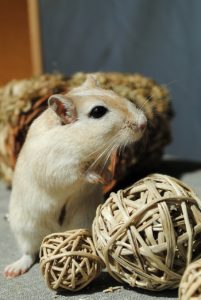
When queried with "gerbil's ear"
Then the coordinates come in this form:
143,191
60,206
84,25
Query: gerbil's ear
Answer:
91,82
64,108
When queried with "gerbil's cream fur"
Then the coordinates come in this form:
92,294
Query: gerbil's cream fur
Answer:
60,165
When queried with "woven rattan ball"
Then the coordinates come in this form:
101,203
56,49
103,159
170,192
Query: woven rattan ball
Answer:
148,233
190,286
68,260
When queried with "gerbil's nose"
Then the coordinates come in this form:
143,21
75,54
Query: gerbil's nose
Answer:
142,126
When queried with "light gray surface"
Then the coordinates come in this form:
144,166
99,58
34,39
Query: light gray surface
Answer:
160,39
31,285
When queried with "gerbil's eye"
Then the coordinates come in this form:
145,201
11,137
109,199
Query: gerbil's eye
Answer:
98,112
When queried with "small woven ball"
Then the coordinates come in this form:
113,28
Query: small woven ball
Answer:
148,233
190,286
68,260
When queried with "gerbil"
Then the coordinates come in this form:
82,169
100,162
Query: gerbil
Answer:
60,164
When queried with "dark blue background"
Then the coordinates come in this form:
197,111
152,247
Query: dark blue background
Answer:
157,38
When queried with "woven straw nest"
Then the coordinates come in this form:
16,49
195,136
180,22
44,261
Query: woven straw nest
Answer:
22,101
190,286
148,233
68,260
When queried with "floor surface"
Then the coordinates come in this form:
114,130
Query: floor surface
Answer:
32,286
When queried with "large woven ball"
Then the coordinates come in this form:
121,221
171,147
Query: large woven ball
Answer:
190,286
68,260
148,233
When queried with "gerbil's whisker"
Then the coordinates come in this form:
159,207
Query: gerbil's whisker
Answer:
114,147
122,148
97,150
102,153
145,102
171,82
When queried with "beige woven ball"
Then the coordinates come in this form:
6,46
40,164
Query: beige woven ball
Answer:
190,286
148,233
68,260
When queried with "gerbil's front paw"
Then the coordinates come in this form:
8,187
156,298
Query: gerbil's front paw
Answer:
93,177
19,267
